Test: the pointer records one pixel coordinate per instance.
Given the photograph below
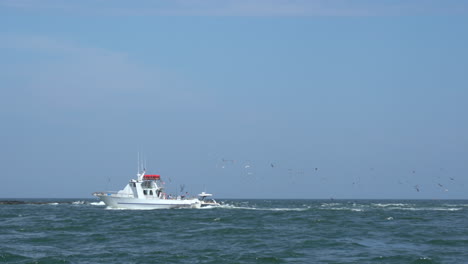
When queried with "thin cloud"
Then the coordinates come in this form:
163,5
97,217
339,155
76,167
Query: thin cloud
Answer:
66,75
245,7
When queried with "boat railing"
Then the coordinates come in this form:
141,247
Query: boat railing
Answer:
151,197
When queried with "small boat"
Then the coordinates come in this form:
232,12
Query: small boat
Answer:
146,192
207,202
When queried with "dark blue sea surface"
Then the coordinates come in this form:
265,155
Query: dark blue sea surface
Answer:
240,231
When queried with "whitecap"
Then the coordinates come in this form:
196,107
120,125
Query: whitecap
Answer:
100,203
454,205
330,204
209,207
230,206
431,209
345,209
390,204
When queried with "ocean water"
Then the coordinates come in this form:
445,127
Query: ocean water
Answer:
240,231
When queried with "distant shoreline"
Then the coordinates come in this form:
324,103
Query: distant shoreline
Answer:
16,202
13,201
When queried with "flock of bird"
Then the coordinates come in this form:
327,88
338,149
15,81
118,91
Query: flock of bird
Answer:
247,169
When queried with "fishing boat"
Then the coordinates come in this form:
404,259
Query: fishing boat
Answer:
146,192
207,202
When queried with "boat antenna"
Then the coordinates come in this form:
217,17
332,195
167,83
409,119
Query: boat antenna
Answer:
138,163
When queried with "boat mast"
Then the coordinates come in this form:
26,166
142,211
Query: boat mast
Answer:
139,168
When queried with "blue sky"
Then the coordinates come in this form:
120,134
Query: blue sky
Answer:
244,99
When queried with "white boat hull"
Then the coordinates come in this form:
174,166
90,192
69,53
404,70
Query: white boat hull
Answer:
148,204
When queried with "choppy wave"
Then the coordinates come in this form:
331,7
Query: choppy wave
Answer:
264,209
251,231
390,207
230,206
431,209
345,209
270,206
353,207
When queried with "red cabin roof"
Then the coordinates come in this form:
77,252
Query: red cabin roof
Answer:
152,177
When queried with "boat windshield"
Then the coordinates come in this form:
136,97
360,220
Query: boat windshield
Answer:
149,184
